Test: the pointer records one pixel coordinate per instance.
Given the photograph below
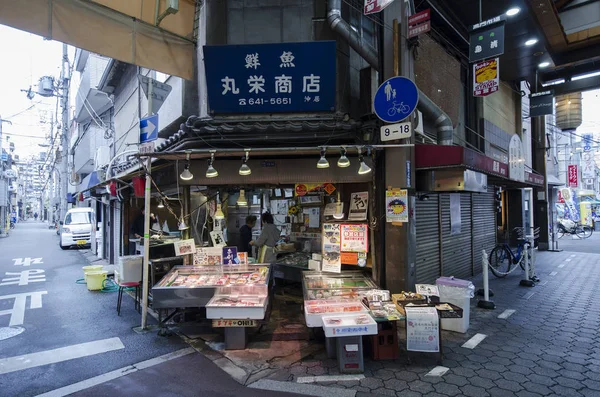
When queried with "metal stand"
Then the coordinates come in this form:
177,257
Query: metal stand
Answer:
236,338
527,282
485,303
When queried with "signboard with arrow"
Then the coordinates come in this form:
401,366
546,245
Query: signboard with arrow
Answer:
149,129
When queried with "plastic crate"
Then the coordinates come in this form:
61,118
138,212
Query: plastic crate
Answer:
384,345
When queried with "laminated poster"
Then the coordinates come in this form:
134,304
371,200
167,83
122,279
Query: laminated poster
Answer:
422,329
230,256
242,258
200,257
185,247
214,256
396,204
355,238
217,238
332,261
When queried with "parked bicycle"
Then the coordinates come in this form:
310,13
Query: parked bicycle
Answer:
567,226
399,108
503,260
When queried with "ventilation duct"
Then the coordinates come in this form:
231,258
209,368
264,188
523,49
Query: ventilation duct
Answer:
442,122
568,111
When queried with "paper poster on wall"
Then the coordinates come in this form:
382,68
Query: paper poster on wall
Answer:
422,329
396,203
359,205
455,224
331,248
355,238
242,258
184,247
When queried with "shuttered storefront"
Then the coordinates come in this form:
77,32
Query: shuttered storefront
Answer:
484,225
456,249
428,240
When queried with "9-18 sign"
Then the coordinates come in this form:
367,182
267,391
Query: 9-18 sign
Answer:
392,132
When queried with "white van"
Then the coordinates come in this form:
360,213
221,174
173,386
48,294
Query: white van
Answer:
76,229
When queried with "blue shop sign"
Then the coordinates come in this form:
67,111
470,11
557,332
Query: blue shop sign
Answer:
271,78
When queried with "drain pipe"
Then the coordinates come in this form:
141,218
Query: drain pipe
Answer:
442,122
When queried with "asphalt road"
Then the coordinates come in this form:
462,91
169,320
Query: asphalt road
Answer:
69,315
589,245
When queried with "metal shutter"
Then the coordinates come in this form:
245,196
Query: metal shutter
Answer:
428,240
457,249
484,225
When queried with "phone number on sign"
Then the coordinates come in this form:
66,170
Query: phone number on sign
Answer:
263,101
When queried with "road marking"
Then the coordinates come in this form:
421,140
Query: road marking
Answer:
573,256
24,278
27,261
9,332
506,314
17,313
300,388
18,363
553,273
328,378
528,295
438,371
543,283
97,380
561,266
568,260
474,341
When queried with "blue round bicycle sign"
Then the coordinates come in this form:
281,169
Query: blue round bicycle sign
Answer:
396,99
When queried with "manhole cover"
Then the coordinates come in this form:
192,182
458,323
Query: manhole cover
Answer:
9,332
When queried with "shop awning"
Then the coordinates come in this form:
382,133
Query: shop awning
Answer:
89,182
431,157
554,181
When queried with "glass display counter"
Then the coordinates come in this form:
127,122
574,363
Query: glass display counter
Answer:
194,286
314,310
238,302
343,286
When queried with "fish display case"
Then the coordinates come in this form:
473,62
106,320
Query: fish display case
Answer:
327,286
314,310
195,286
238,302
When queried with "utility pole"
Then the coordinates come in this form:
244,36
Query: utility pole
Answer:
64,180
3,190
147,193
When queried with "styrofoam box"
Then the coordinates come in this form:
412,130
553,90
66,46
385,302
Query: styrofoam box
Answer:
217,312
130,268
348,326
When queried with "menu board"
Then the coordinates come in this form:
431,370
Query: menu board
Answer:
332,261
355,238
422,329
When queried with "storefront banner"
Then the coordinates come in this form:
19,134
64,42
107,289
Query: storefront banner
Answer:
422,329
185,247
396,204
571,211
374,6
302,189
588,170
332,261
541,104
455,221
486,77
271,78
355,238
587,142
486,39
573,175
359,205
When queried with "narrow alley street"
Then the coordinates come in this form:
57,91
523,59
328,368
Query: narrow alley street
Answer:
55,333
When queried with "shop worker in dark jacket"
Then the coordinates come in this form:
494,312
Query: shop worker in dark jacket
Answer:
246,234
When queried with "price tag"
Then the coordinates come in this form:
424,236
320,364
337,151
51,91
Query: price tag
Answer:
233,323
392,132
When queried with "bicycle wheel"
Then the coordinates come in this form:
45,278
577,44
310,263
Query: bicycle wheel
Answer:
392,112
500,261
560,232
583,232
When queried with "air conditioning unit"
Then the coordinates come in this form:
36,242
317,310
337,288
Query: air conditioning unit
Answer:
102,157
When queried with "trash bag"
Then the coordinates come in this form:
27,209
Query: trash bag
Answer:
454,288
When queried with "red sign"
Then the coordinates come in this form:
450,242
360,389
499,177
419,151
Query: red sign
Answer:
486,77
573,176
374,6
419,17
419,23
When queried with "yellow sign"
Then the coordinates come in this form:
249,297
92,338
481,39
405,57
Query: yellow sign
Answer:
302,189
233,323
396,205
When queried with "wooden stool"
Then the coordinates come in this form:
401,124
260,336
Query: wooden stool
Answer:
137,298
